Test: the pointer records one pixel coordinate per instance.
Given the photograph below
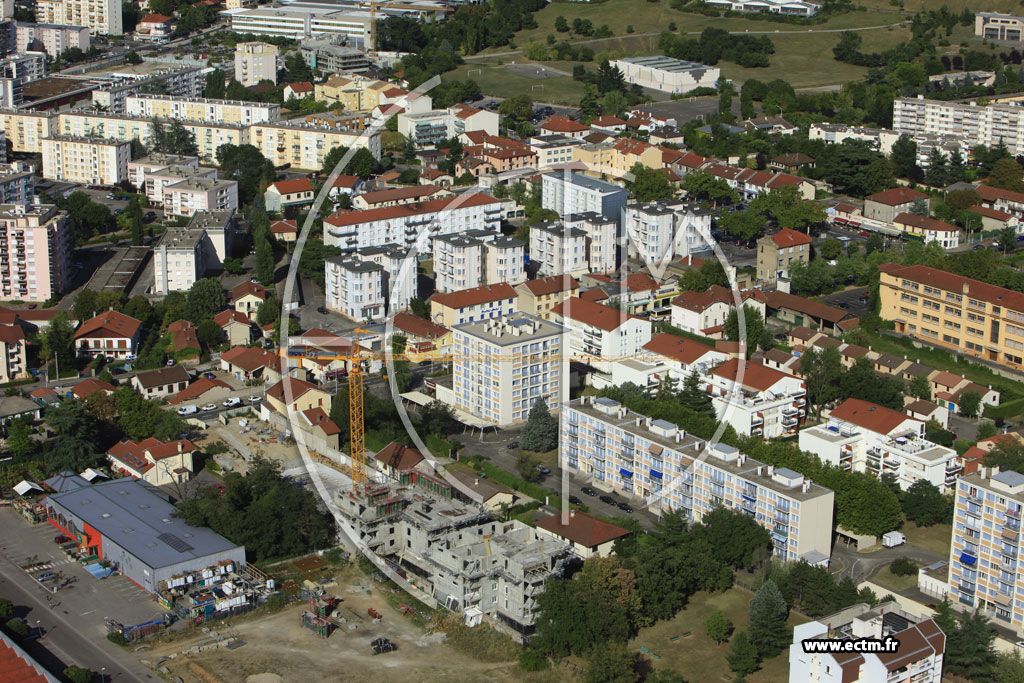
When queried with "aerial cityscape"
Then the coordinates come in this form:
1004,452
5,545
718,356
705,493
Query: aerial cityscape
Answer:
601,341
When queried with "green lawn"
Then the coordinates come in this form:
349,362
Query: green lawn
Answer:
494,79
884,577
935,538
696,656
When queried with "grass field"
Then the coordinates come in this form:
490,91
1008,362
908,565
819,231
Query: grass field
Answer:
934,538
885,578
697,657
494,79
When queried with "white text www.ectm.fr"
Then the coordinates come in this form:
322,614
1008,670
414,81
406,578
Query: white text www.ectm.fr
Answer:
889,644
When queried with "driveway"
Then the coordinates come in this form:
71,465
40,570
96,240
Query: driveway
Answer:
846,561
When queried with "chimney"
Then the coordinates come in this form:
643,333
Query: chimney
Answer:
476,482
807,485
180,447
572,513
638,421
760,470
771,470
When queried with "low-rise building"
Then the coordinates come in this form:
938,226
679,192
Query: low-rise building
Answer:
110,334
247,298
288,193
667,73
153,461
236,326
886,205
154,27
928,229
161,383
599,334
13,360
775,253
186,197
251,363
472,305
539,297
586,535
756,399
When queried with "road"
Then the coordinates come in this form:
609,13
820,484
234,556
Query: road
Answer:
846,561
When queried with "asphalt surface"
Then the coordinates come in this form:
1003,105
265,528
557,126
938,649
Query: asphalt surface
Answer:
846,561
849,300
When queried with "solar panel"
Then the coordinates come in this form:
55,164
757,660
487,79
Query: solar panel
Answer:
175,542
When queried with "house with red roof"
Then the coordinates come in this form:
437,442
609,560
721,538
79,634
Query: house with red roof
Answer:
587,535
153,461
608,124
236,325
246,362
288,193
248,297
397,196
683,355
999,199
424,340
111,334
775,253
861,436
155,384
705,313
994,219
886,205
183,336
345,184
796,310
154,27
755,399
470,305
91,385
285,230
928,229
599,334
539,297
299,90
563,125
395,459
291,395
322,434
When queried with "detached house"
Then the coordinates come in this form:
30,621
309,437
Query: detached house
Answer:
110,334
154,461
161,383
285,193
247,298
237,327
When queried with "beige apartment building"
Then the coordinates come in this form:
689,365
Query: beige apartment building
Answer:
102,16
776,252
304,145
186,197
354,93
256,62
13,359
964,315
35,252
87,161
26,129
172,108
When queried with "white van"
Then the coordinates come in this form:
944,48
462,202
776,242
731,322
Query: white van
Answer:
188,410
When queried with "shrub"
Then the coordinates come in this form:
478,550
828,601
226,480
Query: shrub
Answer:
904,566
533,660
117,638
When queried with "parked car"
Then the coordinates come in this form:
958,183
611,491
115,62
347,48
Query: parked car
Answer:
232,402
188,410
609,500
575,501
587,491
209,406
46,576
130,357
209,375
61,539
543,470
254,399
170,362
513,445
625,507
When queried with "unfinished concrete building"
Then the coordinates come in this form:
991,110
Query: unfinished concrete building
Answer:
454,550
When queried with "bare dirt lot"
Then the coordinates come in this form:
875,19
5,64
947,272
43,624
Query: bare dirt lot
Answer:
279,646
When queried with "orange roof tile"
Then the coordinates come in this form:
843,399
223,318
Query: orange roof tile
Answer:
552,284
755,375
293,186
870,416
109,324
475,296
896,196
788,237
344,218
677,348
583,529
593,314
399,457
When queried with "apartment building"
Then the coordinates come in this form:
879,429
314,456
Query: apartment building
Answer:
967,316
682,356
103,17
304,146
399,273
557,248
602,239
13,357
659,232
86,161
428,127
860,436
256,62
600,335
659,464
775,253
138,169
985,571
184,255
885,206
353,92
53,39
705,313
412,224
158,180
616,159
171,107
186,197
297,22
554,150
35,252
757,400
26,129
355,288
917,658
332,56
458,554
503,366
574,193
173,81
475,258
928,229
471,305
17,182
110,334
996,27
971,122
539,297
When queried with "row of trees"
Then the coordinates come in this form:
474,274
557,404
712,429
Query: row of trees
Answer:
716,44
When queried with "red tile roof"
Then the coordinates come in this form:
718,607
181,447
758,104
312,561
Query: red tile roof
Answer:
677,348
134,454
991,194
594,294
925,223
475,296
790,238
11,334
465,111
641,282
990,213
552,284
197,389
583,529
394,194
896,196
418,327
399,457
348,181
318,418
563,124
297,387
343,218
284,227
816,309
250,358
293,186
246,288
183,335
230,315
755,375
957,283
870,416
592,313
923,639
608,120
154,19
301,86
91,385
109,324
16,666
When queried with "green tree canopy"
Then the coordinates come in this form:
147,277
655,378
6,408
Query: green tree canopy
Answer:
768,631
541,431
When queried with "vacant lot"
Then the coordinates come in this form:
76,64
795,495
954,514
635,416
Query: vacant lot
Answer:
885,577
935,538
696,656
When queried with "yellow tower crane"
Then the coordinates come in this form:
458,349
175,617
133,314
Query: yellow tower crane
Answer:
355,410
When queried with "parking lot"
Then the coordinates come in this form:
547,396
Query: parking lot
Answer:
851,300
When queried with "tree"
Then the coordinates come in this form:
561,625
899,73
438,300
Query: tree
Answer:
718,627
925,505
970,403
247,166
969,651
419,308
742,658
611,664
133,58
711,272
920,387
134,214
209,333
649,185
756,334
518,107
1007,239
821,369
561,25
205,299
17,628
265,262
437,418
172,138
736,539
904,158
1007,174
216,85
6,609
693,398
874,243
768,612
19,437
961,200
937,174
541,431
832,248
77,674
75,444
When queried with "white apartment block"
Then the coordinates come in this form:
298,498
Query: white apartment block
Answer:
475,258
659,232
985,568
35,252
917,658
1000,28
602,239
355,288
503,366
757,400
428,127
17,182
255,62
399,274
201,109
175,81
27,66
794,8
972,123
558,249
184,255
101,16
837,133
156,181
412,224
667,73
573,193
87,161
52,38
600,335
186,197
552,150
298,23
305,145
140,168
861,436
657,463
